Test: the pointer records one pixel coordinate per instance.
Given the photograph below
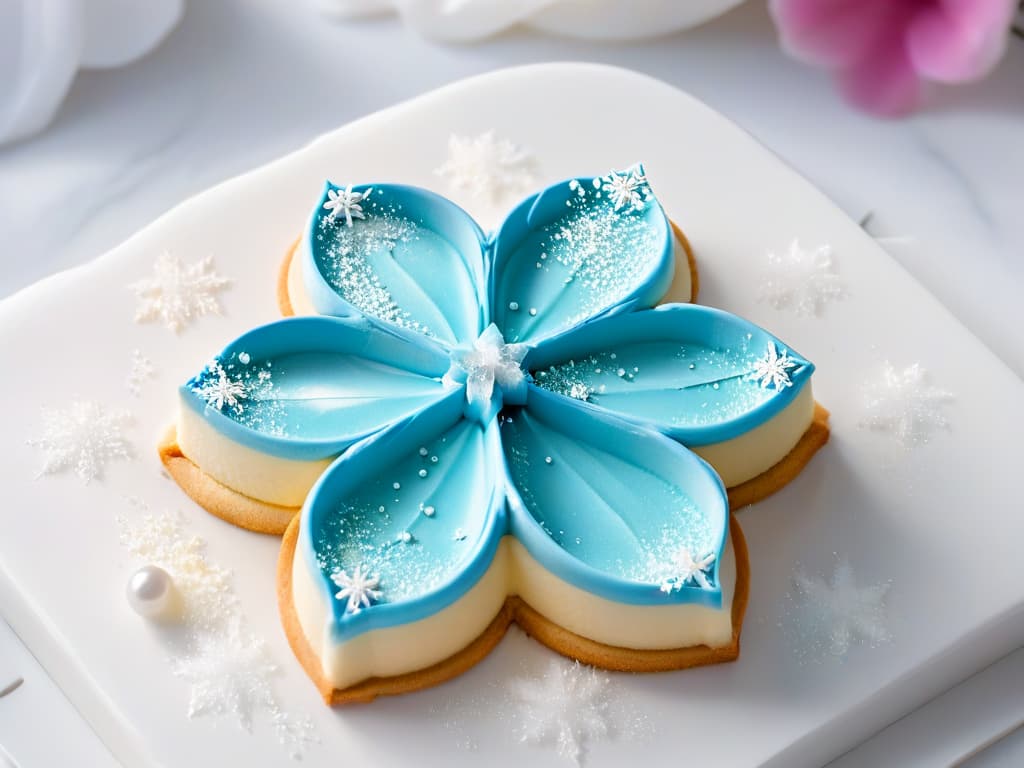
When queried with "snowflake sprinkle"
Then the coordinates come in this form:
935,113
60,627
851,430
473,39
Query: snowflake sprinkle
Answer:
804,280
839,613
219,389
176,294
688,569
360,589
142,370
773,368
628,188
568,705
345,202
487,166
904,404
83,437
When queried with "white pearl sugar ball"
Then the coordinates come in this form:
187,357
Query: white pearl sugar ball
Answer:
150,592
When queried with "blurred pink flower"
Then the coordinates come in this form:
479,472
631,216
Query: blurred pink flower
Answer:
883,51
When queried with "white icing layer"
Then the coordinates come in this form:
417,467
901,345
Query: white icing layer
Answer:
410,647
258,475
747,456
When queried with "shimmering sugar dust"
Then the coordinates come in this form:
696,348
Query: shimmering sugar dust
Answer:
687,385
582,520
583,255
589,242
373,261
246,391
406,526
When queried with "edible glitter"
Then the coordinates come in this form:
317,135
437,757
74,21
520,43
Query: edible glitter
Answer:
347,258
429,511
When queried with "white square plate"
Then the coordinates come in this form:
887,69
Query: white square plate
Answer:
941,521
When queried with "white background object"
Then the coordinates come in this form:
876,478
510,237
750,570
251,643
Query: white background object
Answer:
465,20
862,495
43,43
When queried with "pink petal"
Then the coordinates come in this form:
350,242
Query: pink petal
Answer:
884,82
959,40
830,33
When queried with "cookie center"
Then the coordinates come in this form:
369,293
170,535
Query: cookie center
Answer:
492,372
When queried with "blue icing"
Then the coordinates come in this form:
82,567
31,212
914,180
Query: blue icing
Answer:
413,259
447,500
607,507
686,370
435,376
576,251
307,388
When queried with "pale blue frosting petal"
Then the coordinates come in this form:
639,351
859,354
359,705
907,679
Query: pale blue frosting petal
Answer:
607,506
410,258
575,252
419,507
686,370
307,388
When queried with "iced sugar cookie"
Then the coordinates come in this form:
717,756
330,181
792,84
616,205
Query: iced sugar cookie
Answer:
481,429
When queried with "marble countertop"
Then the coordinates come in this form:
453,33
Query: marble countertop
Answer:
242,82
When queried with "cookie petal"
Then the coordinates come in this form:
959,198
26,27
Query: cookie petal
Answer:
419,508
579,250
408,258
610,507
306,388
688,371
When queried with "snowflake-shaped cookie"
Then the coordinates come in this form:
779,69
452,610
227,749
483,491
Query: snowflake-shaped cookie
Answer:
476,390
